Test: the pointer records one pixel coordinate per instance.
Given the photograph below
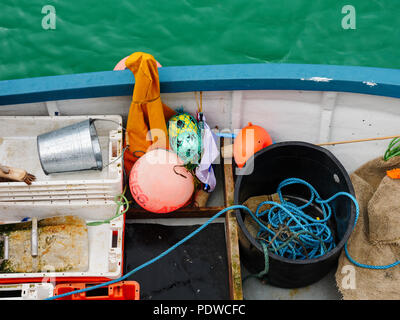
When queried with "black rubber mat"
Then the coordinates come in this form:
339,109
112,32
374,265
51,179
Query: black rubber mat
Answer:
198,269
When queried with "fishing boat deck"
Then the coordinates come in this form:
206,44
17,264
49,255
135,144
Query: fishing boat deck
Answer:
308,103
252,288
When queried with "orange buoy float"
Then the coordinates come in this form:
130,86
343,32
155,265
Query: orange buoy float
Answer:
250,139
160,183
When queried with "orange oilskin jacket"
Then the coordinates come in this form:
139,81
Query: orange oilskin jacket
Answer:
146,128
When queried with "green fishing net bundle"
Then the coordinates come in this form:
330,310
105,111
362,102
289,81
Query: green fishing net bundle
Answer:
185,138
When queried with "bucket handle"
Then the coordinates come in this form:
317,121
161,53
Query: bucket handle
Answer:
92,120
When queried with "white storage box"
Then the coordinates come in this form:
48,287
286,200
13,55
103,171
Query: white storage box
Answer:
105,244
87,194
18,148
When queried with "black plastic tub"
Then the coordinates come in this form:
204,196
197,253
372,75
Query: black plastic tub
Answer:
326,174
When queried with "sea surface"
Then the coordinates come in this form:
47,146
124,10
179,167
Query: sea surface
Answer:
93,35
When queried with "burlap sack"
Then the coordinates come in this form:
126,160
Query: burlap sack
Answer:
375,170
384,213
375,239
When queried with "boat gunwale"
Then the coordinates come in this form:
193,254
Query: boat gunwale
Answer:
307,77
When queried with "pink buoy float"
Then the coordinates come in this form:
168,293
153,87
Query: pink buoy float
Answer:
159,183
121,65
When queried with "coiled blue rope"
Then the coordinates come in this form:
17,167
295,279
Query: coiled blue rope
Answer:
311,227
291,232
311,231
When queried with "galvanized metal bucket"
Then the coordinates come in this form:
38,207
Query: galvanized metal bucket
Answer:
72,148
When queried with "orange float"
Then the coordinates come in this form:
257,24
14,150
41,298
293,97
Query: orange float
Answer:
159,183
394,173
250,139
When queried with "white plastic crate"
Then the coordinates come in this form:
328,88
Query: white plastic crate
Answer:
87,194
26,291
18,148
105,241
96,209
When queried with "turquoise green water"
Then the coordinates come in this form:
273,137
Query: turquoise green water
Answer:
94,35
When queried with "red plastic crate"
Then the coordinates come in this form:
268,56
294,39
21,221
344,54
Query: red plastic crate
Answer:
123,290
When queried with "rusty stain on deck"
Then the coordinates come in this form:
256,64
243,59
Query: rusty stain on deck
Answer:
294,292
